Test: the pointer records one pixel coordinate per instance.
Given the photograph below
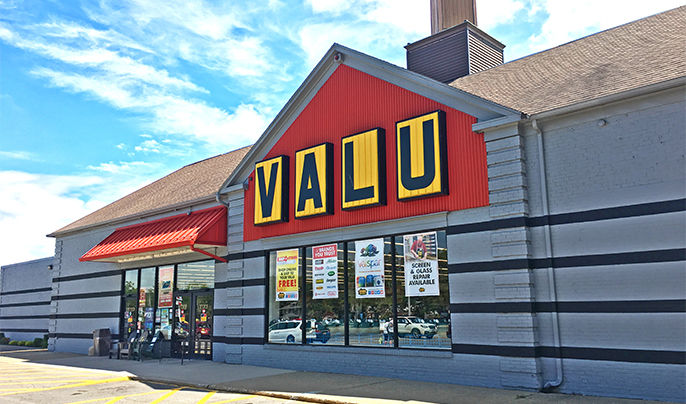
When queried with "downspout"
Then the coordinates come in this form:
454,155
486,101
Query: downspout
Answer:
218,195
551,384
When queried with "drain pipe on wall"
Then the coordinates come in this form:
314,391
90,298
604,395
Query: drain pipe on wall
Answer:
551,384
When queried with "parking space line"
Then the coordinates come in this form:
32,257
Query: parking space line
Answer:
66,386
234,399
207,397
48,381
52,377
166,396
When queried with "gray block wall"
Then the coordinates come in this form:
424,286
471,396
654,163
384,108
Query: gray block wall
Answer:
606,240
25,299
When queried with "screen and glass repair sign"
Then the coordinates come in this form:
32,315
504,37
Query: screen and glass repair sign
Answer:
369,268
287,275
325,272
421,264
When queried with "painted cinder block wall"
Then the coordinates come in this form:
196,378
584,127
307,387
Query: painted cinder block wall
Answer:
25,299
87,295
503,328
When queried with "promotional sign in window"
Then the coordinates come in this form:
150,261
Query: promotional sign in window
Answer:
287,275
166,286
325,272
369,266
421,264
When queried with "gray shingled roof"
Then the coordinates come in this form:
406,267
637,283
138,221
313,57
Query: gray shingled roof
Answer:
644,52
190,183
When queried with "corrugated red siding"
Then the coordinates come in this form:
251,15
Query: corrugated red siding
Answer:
351,102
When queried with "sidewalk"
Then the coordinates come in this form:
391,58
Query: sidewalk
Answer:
303,386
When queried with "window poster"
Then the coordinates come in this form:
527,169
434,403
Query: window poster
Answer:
325,272
421,264
287,275
369,266
166,279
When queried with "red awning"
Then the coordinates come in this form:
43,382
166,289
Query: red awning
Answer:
176,235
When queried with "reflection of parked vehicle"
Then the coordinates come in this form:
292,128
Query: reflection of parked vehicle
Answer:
290,331
203,329
415,327
181,330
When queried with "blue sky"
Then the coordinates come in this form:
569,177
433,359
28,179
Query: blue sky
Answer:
98,98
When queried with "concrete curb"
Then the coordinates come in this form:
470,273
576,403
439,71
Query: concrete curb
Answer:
288,396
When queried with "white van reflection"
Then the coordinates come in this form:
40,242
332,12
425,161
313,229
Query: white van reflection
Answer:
290,332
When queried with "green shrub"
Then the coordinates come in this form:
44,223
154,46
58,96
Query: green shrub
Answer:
4,341
24,343
2,335
38,342
14,342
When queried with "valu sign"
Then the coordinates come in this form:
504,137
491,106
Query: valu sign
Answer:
420,156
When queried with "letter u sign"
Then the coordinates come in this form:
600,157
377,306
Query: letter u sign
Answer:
421,156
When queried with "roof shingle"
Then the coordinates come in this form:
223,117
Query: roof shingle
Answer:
644,52
189,183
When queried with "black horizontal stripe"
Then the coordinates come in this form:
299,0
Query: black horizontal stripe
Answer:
78,335
84,315
239,283
240,312
618,212
611,306
238,340
24,317
585,353
245,255
87,295
637,257
25,304
18,292
87,276
40,330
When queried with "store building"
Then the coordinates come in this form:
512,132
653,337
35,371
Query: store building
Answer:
515,225
25,291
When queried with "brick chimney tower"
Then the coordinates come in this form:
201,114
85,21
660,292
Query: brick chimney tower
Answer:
456,47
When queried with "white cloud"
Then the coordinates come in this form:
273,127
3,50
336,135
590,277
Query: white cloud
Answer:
560,21
329,6
17,155
490,14
33,205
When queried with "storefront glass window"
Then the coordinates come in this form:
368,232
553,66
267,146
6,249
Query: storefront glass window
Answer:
130,302
195,275
325,294
285,308
146,300
423,296
393,289
370,277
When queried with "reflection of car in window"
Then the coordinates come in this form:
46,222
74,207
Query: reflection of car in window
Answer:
290,331
203,329
181,329
415,327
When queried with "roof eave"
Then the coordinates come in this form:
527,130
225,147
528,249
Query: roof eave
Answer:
135,216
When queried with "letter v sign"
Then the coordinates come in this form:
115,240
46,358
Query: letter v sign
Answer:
271,192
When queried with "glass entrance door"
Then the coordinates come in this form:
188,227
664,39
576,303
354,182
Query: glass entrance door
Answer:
193,324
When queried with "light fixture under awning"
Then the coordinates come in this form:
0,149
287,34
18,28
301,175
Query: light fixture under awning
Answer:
176,235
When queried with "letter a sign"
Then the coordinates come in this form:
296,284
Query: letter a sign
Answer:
271,191
421,156
314,181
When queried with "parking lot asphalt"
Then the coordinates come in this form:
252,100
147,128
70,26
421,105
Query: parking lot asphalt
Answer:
26,382
38,376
